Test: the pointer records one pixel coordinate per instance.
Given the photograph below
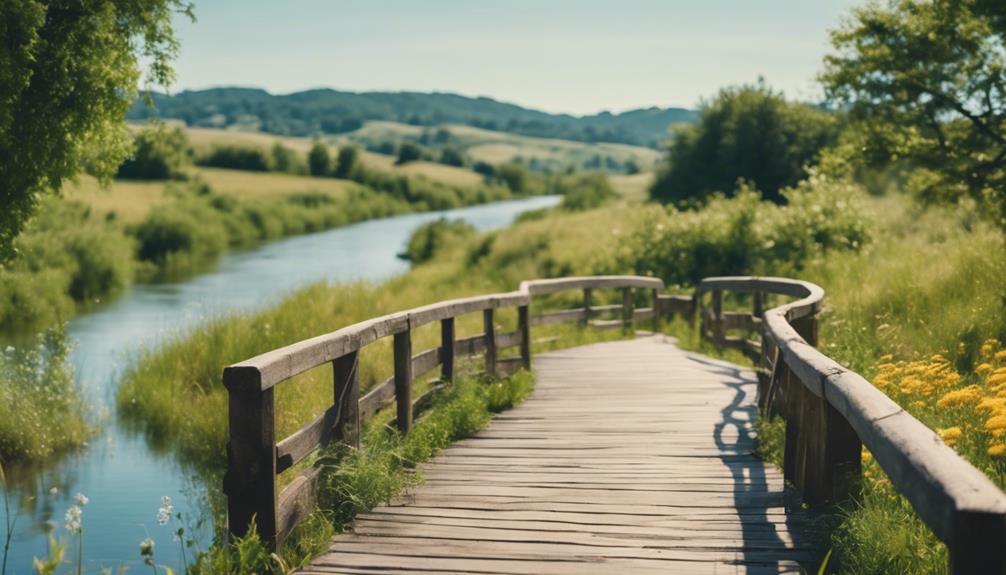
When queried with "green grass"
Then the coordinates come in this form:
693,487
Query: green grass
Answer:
355,481
40,413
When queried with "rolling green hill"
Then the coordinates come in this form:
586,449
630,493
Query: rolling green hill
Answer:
327,111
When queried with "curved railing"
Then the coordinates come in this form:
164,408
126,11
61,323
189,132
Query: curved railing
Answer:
256,458
831,412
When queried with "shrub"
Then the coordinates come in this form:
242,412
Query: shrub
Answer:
286,160
408,152
584,191
744,235
432,238
749,133
319,161
158,154
349,159
234,157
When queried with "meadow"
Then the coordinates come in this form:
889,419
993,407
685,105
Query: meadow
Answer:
493,147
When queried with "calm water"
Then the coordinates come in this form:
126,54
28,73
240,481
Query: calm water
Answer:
123,478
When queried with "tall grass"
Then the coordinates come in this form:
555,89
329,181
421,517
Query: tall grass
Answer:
40,404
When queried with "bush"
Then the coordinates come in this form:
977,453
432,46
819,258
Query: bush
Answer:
432,238
349,159
452,156
408,152
65,258
583,192
235,157
749,133
159,154
745,236
286,160
319,161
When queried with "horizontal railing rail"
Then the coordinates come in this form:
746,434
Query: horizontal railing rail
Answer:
256,458
831,412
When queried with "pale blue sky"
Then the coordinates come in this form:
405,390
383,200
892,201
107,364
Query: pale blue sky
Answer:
576,56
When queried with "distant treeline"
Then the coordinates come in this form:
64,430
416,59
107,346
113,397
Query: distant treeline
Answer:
316,112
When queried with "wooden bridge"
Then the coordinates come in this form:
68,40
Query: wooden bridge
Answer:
630,457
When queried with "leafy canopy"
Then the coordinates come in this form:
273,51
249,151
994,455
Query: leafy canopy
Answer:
68,73
925,86
745,133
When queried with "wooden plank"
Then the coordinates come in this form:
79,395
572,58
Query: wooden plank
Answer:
379,397
297,446
473,345
524,329
296,502
547,286
578,314
425,361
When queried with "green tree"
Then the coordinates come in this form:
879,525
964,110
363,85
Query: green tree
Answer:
452,156
286,160
408,152
319,162
68,74
745,133
349,159
925,83
160,154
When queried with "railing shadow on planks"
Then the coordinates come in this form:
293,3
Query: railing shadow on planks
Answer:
830,412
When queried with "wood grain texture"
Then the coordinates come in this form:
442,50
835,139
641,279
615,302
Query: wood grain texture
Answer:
630,457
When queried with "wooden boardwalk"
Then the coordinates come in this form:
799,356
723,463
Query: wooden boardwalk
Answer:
630,457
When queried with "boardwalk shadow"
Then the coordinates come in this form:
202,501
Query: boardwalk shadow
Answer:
764,549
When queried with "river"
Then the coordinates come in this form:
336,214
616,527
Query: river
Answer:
123,478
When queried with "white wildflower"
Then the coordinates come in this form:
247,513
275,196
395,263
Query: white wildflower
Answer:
81,499
166,510
147,550
53,491
72,519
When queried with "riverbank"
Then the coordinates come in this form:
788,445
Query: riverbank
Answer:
122,473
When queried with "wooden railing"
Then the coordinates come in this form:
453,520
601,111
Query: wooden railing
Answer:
832,412
256,458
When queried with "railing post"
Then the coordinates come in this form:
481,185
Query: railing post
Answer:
587,293
250,482
524,327
488,320
447,344
627,309
717,327
831,448
756,305
656,310
403,380
346,377
977,545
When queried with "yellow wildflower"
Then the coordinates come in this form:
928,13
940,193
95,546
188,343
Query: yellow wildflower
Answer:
971,394
983,368
996,423
950,435
866,456
997,450
996,379
1000,355
991,404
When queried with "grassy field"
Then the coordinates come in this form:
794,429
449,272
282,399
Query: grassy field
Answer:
131,201
499,147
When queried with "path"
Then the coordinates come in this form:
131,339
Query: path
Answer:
630,457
